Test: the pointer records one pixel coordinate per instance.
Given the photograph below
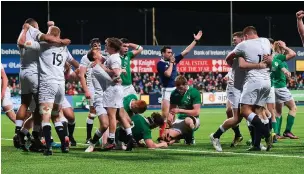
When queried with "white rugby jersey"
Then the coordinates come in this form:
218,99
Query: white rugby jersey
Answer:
85,62
100,80
29,57
253,50
51,61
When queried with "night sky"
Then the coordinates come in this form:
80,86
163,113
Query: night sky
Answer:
175,21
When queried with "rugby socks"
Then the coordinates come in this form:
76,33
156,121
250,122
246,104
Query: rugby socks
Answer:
97,136
26,133
111,138
290,122
219,132
274,126
128,131
60,132
46,128
89,127
259,126
71,128
36,132
19,124
252,133
279,125
236,130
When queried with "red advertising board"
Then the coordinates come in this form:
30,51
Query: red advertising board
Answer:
186,65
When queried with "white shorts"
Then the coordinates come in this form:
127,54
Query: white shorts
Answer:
7,98
98,105
51,93
113,97
92,92
28,81
255,92
180,126
282,95
271,97
166,93
128,90
233,96
66,103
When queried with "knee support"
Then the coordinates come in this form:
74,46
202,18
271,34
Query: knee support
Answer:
45,110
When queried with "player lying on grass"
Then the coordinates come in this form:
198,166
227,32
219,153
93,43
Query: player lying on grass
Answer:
185,102
142,130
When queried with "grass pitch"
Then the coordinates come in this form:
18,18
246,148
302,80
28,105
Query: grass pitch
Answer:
287,156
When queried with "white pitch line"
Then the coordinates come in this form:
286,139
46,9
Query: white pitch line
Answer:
212,152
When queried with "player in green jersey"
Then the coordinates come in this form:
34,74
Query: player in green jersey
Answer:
126,56
185,102
142,130
282,94
300,15
134,106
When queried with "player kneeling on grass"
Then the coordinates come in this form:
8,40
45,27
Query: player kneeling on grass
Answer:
185,101
142,130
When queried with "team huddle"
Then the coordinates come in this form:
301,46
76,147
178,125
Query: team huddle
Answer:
256,91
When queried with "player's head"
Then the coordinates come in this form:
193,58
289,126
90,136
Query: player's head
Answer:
277,48
113,45
250,33
138,106
155,120
272,43
166,52
94,54
54,31
237,37
181,84
95,43
125,46
32,22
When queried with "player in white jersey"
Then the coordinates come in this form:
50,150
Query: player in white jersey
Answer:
234,87
300,15
6,102
256,87
101,81
52,86
113,95
87,85
29,75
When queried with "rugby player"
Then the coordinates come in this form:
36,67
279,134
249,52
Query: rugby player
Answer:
6,102
29,77
113,95
100,81
142,130
282,94
256,87
234,87
167,70
185,102
52,59
126,56
300,15
87,86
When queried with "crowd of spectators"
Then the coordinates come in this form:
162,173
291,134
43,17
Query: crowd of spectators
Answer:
145,83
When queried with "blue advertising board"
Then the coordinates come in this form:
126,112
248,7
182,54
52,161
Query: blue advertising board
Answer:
11,61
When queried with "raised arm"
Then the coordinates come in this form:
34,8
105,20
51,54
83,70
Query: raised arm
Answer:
290,53
136,49
22,37
300,15
193,43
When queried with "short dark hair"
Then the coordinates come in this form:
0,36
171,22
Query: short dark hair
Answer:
157,118
90,55
271,40
249,30
30,21
94,40
114,43
164,48
124,40
238,34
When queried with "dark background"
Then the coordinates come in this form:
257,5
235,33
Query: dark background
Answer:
175,21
